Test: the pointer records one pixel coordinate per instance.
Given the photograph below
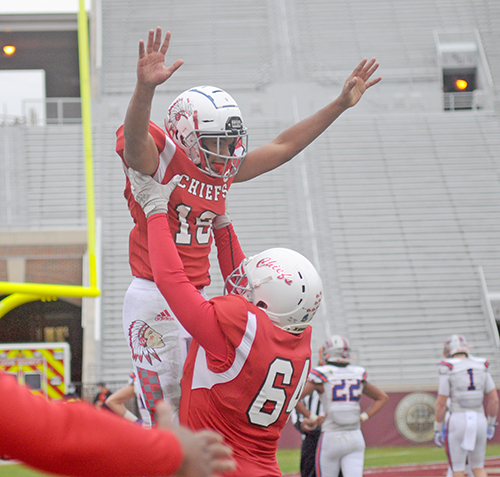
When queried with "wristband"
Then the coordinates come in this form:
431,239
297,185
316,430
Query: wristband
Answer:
130,416
492,421
364,417
438,426
221,221
312,417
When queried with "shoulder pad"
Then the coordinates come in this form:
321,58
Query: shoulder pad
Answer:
359,370
445,367
318,375
481,361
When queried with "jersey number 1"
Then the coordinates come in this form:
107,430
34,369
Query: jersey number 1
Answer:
471,377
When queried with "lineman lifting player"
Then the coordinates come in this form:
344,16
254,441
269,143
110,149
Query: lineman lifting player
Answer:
205,143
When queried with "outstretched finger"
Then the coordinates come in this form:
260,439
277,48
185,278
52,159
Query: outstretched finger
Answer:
174,67
166,43
157,42
371,68
149,46
141,49
359,68
370,83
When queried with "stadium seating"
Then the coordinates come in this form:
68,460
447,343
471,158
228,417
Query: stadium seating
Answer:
397,203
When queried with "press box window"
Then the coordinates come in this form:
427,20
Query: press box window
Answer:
458,87
466,78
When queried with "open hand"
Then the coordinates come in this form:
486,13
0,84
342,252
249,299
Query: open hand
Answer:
151,68
359,82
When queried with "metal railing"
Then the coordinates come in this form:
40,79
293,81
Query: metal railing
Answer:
41,112
467,100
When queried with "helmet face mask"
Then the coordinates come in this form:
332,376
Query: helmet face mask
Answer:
206,112
336,348
456,344
283,283
213,161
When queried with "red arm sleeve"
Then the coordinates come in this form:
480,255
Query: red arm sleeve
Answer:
77,440
195,313
229,250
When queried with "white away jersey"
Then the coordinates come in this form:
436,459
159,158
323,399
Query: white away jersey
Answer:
465,381
343,386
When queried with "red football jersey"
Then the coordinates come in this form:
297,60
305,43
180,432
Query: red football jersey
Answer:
248,397
192,206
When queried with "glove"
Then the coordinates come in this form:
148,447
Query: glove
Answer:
490,431
439,433
437,439
151,196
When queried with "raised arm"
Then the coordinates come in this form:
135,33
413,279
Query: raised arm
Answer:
293,140
140,151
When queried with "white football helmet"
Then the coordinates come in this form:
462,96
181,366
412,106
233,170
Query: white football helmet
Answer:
336,348
283,283
208,112
456,344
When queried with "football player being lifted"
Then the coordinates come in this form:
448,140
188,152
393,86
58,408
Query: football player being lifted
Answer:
340,384
205,142
465,380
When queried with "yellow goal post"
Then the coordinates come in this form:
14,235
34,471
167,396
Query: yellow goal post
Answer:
20,293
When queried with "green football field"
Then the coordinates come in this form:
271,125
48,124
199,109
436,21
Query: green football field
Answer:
289,459
384,456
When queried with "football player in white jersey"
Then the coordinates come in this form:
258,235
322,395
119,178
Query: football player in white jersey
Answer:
466,381
340,384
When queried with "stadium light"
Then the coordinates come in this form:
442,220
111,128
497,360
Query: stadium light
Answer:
9,50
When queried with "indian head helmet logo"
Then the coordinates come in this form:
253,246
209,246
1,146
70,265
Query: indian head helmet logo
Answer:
180,109
143,341
273,265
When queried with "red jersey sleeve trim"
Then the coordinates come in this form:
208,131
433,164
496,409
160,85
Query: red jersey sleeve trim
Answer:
445,363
